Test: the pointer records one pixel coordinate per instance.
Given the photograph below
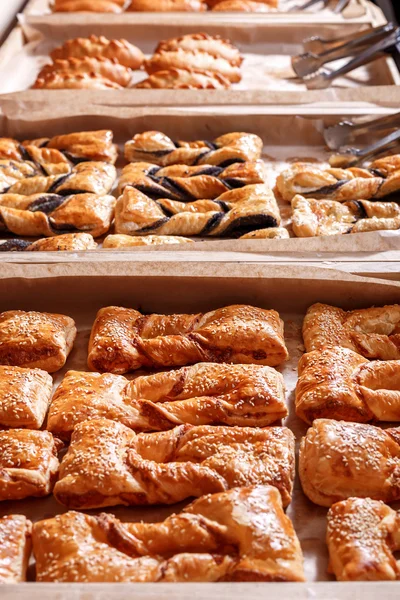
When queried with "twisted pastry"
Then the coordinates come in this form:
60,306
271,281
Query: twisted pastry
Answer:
127,241
83,145
179,79
99,46
230,536
105,6
15,548
362,536
167,6
243,6
371,332
242,395
12,172
73,242
65,80
99,66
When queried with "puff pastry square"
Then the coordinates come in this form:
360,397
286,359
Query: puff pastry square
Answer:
206,393
362,536
339,460
371,332
15,548
28,464
24,397
230,536
122,339
35,340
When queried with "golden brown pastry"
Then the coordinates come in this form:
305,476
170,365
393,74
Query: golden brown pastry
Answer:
269,233
206,393
105,6
63,80
271,3
69,242
108,464
238,535
213,45
102,67
50,160
82,145
35,339
127,241
28,464
99,46
122,339
157,148
10,149
14,172
371,332
242,6
362,536
15,548
167,6
339,460
179,79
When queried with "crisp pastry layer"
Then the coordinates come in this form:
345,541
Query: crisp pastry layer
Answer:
108,464
105,6
230,536
159,149
15,548
337,383
123,339
167,6
202,394
122,51
371,332
242,6
24,397
339,460
180,79
101,67
231,214
127,241
362,536
35,339
313,218
28,464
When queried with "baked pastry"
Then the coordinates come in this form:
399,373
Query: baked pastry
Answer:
269,233
362,536
28,464
159,149
127,241
339,460
99,46
206,393
371,332
65,80
196,60
15,548
337,383
81,146
232,214
238,535
10,149
72,242
328,217
24,397
108,464
13,172
122,339
179,79
105,6
35,339
271,3
202,42
167,6
103,67
242,6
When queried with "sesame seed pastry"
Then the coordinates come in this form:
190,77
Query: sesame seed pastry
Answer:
99,46
339,460
236,535
127,241
108,464
15,548
122,339
362,536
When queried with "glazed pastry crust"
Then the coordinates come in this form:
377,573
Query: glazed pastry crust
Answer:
267,234
179,79
105,6
213,45
69,242
230,536
65,80
15,548
167,6
127,241
99,46
243,6
238,334
101,67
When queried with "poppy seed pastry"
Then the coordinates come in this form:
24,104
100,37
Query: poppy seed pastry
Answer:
15,548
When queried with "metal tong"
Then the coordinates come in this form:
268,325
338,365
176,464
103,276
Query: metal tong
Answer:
340,6
345,132
350,157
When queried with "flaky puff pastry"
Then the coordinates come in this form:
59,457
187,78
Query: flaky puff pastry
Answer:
71,242
99,46
122,339
108,464
243,6
167,6
15,548
35,339
207,393
339,460
104,6
127,241
82,145
362,536
230,536
188,79
371,332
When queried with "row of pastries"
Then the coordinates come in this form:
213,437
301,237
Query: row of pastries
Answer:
118,6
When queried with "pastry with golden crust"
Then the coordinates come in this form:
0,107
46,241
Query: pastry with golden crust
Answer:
167,6
104,6
202,394
202,42
123,339
180,79
339,460
81,146
362,536
196,60
372,332
28,464
127,241
108,464
15,548
35,340
266,234
230,536
243,6
271,3
66,80
72,242
106,68
99,46
10,149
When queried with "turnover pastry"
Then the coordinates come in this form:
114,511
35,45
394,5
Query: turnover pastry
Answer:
339,460
213,45
102,67
188,79
35,339
108,464
242,6
202,394
28,464
167,6
230,536
196,60
127,241
15,548
123,339
99,46
105,6
66,80
371,332
362,536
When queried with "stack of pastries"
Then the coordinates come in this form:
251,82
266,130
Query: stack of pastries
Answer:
118,6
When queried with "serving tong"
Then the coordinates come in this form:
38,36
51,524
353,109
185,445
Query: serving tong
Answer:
345,132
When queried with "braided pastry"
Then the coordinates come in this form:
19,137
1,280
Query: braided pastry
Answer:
73,242
127,241
108,464
242,395
83,146
362,536
65,80
243,6
179,79
12,172
159,149
99,46
236,535
167,6
122,339
15,548
371,332
102,67
105,6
